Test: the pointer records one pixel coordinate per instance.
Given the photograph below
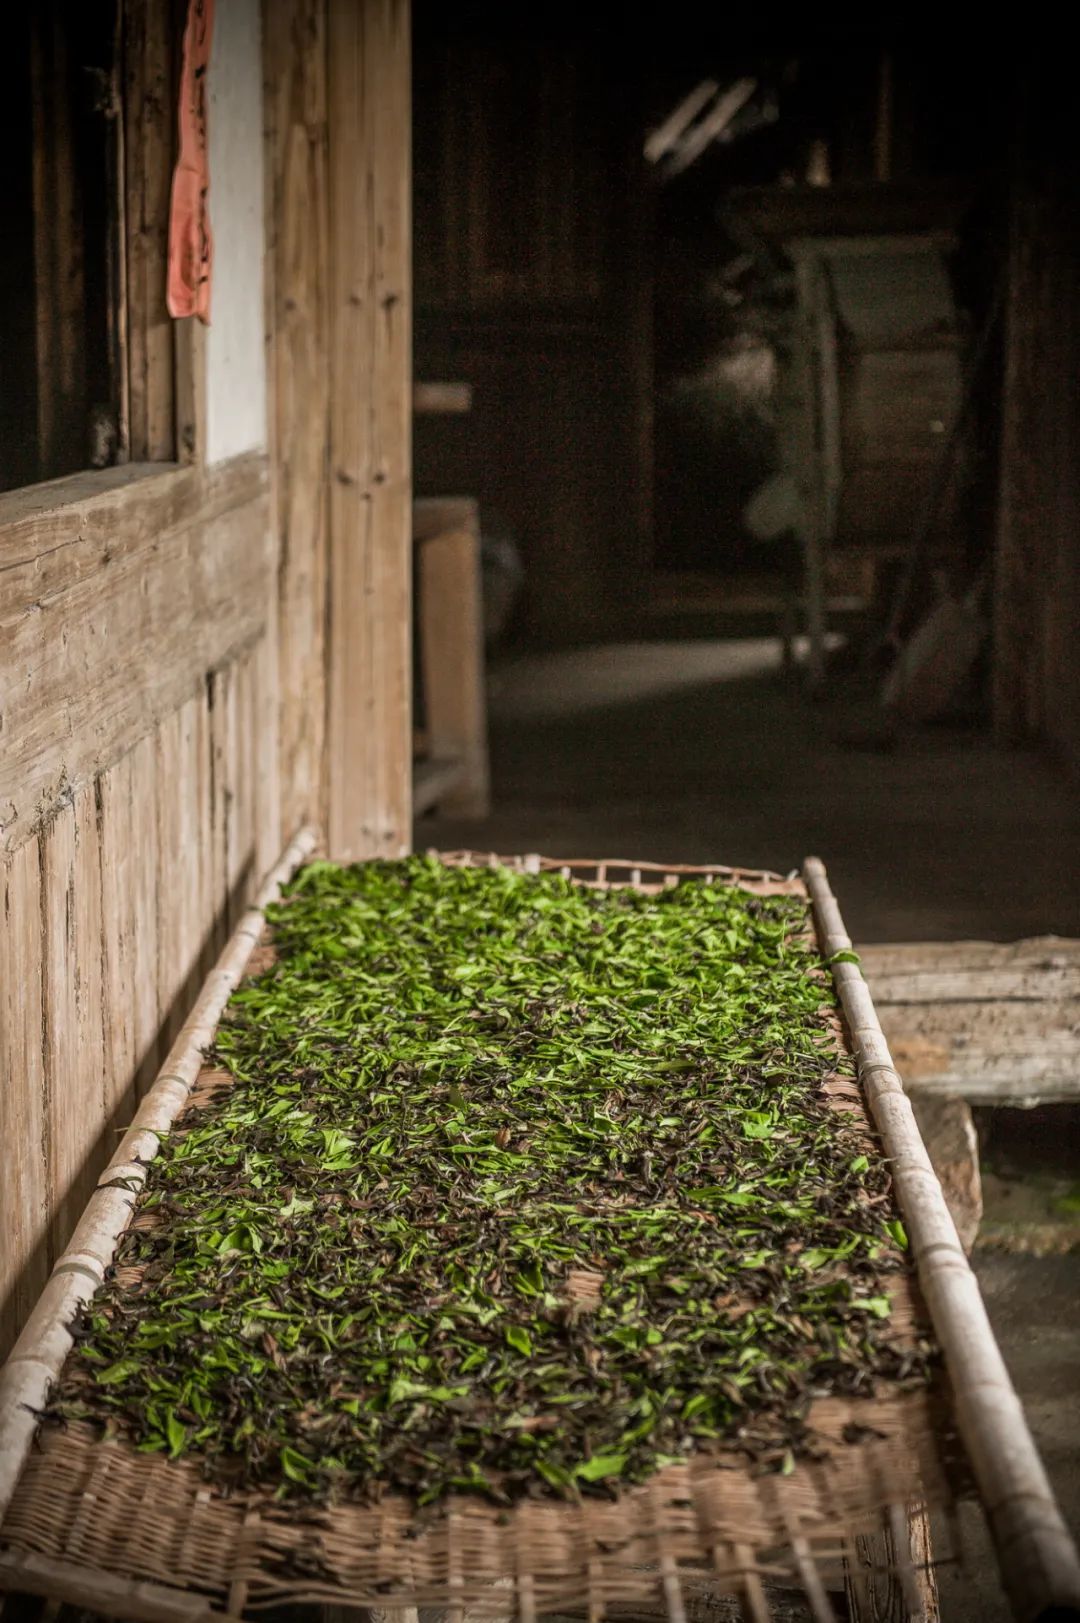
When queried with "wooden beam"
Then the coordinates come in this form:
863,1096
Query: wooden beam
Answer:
370,670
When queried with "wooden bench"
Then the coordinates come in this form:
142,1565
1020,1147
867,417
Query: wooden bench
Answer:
989,1022
977,1023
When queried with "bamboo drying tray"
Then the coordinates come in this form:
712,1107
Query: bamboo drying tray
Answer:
134,1535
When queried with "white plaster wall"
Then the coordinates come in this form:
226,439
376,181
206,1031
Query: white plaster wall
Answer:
235,351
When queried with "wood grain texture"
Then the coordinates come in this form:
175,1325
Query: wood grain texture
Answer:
182,784
297,271
110,912
149,81
120,850
269,832
128,599
370,677
993,1022
64,1107
112,610
1035,953
24,1199
876,1591
142,989
87,1080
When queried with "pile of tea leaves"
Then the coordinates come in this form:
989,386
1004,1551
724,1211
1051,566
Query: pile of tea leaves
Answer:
521,1187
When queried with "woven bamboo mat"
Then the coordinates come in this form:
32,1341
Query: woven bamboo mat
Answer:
103,1508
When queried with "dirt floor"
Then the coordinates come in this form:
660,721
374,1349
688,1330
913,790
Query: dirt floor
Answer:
697,751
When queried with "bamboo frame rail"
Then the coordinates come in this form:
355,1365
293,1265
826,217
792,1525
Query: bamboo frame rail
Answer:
1038,1559
46,1340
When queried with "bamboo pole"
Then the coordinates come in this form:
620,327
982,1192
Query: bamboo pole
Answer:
36,1359
1038,1559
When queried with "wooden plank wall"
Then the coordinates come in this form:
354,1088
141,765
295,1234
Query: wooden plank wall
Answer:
133,836
178,645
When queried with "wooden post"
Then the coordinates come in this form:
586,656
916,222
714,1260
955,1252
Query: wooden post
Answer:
295,60
369,733
452,650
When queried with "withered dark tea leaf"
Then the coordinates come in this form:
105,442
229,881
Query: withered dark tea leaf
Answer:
520,1187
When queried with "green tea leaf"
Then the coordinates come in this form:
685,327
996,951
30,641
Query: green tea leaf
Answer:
601,1466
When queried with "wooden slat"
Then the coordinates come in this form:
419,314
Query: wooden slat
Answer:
241,843
996,1023
1046,952
65,1108
216,860
1030,984
142,991
149,104
180,827
24,1204
875,1590
189,359
206,871
120,963
1007,1073
111,613
988,1023
88,1081
265,763
370,511
296,184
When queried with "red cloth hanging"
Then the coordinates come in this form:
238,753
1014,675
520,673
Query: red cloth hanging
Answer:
191,246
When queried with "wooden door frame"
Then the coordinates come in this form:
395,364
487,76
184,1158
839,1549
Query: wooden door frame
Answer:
369,731
339,307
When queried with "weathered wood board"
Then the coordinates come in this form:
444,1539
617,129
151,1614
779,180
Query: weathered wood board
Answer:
110,912
995,1023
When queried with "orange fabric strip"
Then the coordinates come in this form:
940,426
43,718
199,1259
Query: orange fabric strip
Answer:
191,247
